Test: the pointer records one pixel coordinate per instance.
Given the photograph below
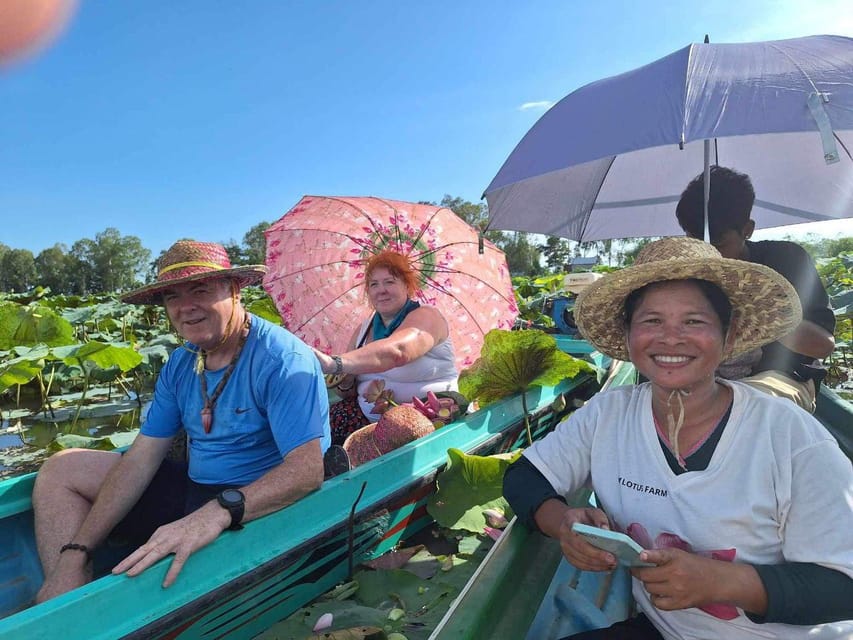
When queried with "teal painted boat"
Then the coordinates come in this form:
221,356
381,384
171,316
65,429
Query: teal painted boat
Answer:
540,596
245,581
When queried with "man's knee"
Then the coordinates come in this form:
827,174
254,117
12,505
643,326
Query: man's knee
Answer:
82,470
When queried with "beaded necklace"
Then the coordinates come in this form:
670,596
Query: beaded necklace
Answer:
210,402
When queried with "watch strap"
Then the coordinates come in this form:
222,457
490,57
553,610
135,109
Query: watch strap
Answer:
237,510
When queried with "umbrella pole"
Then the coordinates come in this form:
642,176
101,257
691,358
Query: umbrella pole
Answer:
707,188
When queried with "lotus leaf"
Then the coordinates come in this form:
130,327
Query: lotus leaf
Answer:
346,615
468,486
103,443
102,354
21,370
264,308
31,325
513,361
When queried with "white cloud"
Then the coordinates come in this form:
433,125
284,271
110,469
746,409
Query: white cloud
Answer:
541,104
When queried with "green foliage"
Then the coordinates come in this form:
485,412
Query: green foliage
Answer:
394,601
32,324
17,270
102,354
103,443
557,253
259,303
467,487
20,370
513,361
255,244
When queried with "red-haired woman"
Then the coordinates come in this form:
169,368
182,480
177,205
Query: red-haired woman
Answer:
404,345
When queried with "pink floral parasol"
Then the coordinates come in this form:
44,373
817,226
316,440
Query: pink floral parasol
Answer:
317,251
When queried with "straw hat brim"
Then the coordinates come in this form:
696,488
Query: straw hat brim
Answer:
151,293
765,306
361,445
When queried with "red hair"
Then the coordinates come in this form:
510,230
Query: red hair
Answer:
397,265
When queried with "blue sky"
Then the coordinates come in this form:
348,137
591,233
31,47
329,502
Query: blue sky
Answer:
200,118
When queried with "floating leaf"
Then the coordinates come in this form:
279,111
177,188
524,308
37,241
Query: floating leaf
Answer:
469,486
393,559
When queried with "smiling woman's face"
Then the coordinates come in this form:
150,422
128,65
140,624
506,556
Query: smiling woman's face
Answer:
386,292
675,338
200,310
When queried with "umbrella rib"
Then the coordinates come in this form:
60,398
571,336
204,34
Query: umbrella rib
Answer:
426,226
309,268
430,252
843,146
323,308
588,214
438,286
433,283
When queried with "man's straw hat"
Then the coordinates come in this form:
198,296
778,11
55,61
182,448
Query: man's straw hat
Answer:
765,306
190,261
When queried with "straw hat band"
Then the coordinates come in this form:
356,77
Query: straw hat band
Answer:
191,261
181,265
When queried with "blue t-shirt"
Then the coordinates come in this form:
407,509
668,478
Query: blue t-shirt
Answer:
275,401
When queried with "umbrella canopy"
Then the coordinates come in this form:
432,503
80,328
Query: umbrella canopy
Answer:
611,159
316,254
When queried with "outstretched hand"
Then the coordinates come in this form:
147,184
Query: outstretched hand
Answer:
181,538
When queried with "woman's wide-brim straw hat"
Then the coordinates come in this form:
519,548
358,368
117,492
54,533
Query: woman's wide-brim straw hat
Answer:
765,306
190,261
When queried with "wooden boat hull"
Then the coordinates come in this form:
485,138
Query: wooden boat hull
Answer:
540,596
247,580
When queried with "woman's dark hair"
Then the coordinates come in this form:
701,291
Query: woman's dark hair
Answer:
713,294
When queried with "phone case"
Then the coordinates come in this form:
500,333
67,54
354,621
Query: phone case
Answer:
627,551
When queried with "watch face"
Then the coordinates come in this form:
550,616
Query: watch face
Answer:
232,496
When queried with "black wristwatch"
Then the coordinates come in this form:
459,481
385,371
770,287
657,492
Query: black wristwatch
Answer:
235,502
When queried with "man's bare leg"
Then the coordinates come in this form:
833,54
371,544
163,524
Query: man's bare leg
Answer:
65,489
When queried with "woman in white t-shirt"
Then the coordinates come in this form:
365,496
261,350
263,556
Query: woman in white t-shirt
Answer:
741,500
401,351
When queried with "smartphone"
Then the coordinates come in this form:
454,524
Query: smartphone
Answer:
627,551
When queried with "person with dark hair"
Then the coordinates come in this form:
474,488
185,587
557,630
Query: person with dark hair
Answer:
791,366
740,501
253,403
404,348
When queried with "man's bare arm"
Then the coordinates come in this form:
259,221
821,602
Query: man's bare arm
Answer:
300,473
810,339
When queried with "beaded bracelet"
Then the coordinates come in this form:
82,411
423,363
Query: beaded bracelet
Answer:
73,546
339,365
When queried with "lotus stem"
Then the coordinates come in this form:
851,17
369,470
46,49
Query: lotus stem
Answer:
526,417
82,395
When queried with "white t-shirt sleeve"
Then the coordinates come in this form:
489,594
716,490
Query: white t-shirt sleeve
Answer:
564,456
818,527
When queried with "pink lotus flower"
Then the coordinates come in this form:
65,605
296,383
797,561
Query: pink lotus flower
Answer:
671,541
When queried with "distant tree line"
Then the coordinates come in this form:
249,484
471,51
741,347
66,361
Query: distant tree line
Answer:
113,263
108,263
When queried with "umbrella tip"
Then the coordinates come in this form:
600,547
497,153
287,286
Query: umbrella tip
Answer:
707,39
